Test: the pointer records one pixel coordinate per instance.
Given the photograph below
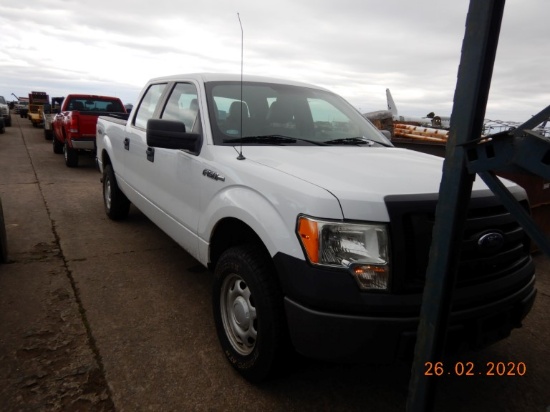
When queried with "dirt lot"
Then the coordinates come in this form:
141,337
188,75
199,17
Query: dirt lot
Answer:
103,316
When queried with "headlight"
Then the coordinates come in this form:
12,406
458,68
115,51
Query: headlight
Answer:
362,249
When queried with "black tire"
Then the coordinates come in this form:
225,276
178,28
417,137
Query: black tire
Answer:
71,156
249,314
116,203
8,121
56,144
3,237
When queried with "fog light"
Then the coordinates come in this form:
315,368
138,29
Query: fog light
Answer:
370,277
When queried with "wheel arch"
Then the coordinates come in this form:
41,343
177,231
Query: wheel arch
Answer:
230,232
105,158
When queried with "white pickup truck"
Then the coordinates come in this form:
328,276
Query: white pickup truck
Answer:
317,229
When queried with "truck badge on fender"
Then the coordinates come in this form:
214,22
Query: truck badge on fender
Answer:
213,175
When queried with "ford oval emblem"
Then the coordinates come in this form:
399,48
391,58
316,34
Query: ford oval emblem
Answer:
490,242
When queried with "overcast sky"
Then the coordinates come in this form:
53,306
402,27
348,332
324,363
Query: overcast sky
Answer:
357,48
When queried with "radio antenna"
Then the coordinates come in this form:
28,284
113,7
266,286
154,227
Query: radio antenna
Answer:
241,157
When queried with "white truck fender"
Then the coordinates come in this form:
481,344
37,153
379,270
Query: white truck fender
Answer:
274,224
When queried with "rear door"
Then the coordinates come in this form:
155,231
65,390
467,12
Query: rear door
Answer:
138,168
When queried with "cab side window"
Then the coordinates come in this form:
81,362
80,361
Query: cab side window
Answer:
182,105
148,105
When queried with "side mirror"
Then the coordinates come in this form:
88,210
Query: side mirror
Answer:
171,134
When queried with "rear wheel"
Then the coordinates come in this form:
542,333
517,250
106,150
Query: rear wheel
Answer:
56,144
71,156
249,314
116,203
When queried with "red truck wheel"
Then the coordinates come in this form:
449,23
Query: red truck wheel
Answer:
71,156
57,145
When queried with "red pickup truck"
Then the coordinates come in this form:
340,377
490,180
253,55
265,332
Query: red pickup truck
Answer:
74,127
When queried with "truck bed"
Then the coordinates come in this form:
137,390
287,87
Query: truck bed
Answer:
119,118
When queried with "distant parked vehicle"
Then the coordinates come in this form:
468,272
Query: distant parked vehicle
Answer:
129,107
74,127
5,111
37,100
22,107
48,113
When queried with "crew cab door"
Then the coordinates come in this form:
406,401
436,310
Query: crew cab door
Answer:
168,178
134,144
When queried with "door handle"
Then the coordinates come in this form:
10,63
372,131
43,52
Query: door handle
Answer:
127,144
150,152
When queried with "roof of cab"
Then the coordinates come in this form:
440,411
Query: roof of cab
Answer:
216,77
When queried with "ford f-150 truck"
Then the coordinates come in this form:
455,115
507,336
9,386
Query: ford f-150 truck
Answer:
317,229
74,127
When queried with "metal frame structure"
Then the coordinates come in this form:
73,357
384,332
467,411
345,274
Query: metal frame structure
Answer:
520,149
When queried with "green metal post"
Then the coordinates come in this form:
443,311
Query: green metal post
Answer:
470,100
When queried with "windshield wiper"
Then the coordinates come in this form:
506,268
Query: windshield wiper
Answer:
355,141
270,139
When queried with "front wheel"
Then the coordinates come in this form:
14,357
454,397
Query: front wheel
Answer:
249,314
116,203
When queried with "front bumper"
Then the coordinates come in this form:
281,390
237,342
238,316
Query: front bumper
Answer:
352,338
329,318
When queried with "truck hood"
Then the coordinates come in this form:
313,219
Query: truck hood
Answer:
359,177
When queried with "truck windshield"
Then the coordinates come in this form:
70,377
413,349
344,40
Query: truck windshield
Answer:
281,114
